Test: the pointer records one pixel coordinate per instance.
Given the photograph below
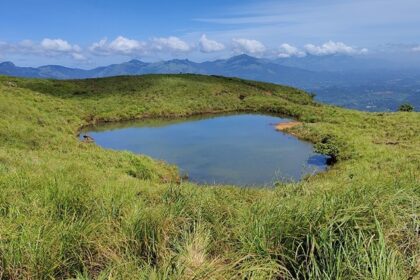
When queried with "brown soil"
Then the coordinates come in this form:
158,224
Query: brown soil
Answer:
286,125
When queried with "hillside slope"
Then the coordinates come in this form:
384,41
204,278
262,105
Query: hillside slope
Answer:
70,209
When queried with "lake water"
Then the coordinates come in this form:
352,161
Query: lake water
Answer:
240,149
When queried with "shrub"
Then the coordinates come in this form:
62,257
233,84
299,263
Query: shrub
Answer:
406,107
328,146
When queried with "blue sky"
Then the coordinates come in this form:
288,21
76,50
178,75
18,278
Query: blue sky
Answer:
88,33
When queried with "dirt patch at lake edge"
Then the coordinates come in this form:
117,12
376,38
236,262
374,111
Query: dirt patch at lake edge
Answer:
285,125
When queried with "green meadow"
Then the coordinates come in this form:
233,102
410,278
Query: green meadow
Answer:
73,210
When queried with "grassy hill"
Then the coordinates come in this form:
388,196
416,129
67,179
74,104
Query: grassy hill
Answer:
70,209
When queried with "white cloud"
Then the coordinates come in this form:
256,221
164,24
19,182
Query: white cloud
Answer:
416,49
47,47
172,43
100,47
52,47
363,51
207,45
248,46
286,50
78,56
331,47
126,46
56,45
120,45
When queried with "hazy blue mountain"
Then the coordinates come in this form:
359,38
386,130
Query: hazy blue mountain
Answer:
248,67
47,71
240,66
174,66
132,67
336,63
8,68
243,66
61,72
354,82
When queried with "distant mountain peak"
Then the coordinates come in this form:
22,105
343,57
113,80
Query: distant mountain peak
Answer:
177,60
136,61
7,64
242,58
54,66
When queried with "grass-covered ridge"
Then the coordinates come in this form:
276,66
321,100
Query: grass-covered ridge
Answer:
74,210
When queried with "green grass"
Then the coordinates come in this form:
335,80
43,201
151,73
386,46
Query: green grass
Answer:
74,210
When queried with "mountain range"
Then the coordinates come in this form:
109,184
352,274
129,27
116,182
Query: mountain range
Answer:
243,66
353,82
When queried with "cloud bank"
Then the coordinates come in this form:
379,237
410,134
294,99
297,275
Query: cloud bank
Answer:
47,47
171,44
126,46
174,46
330,48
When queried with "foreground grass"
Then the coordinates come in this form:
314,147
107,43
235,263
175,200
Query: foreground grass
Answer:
73,210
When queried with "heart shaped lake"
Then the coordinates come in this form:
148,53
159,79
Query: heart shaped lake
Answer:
241,149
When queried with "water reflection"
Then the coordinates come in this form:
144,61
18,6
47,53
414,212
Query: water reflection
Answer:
240,149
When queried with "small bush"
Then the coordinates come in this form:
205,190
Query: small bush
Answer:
406,108
328,146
